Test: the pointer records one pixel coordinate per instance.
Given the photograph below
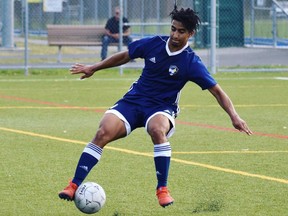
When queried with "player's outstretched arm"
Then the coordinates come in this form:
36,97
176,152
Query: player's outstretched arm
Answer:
228,106
113,61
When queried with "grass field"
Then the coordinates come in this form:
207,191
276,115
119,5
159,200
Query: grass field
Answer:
46,120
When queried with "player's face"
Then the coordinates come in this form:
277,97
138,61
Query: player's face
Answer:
179,36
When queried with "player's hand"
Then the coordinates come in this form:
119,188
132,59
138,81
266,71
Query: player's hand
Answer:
241,125
82,69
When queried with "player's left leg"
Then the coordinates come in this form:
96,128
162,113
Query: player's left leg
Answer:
160,126
111,128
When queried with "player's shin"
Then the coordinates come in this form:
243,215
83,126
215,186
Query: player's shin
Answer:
162,155
89,158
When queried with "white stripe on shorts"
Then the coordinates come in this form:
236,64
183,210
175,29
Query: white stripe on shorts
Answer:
119,115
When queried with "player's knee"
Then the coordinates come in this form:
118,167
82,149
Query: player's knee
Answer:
102,137
158,134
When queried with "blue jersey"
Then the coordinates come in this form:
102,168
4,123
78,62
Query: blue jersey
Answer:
165,73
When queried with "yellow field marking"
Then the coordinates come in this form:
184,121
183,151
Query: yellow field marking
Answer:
244,151
71,141
285,181
41,135
236,105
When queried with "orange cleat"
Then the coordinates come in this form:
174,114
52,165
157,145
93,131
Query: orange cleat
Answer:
68,192
164,197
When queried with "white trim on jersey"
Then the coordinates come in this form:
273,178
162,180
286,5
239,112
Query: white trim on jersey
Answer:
174,53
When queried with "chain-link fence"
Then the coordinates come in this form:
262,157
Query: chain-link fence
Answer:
239,24
267,23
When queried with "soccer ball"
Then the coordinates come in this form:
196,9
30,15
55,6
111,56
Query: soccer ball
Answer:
90,197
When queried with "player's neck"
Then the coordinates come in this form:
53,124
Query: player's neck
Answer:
174,50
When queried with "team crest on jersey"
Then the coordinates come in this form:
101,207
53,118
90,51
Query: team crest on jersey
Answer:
173,69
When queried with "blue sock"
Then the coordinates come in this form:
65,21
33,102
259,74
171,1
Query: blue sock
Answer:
162,155
89,158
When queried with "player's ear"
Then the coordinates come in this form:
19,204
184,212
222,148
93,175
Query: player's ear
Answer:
191,34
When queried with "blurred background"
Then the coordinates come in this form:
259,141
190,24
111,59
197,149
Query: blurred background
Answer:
247,27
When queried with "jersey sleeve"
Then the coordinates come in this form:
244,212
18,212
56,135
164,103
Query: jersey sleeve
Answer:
200,75
138,48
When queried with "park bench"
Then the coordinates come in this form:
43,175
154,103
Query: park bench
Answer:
75,35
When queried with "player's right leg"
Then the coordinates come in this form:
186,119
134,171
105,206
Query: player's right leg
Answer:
111,128
160,126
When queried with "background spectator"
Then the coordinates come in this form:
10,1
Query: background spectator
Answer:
112,32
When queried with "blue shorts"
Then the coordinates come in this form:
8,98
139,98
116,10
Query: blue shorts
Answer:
136,115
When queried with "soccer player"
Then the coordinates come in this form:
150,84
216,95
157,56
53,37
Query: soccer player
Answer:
152,100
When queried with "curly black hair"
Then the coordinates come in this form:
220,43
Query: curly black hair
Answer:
187,17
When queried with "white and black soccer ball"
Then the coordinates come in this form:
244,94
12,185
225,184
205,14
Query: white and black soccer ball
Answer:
90,197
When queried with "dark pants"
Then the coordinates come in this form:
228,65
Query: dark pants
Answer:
106,40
